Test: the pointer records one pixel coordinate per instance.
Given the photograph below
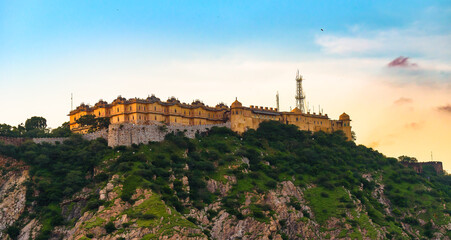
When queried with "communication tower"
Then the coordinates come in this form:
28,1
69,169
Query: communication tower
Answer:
300,96
277,101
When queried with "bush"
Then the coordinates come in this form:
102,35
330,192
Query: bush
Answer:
13,231
109,227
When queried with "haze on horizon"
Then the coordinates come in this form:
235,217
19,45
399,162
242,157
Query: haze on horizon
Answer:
387,64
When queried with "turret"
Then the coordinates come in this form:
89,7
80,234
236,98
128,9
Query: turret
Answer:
346,125
236,117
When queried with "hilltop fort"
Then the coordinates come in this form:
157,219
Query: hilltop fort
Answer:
198,116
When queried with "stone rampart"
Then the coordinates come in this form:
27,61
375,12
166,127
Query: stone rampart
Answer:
128,134
49,140
418,166
98,134
12,140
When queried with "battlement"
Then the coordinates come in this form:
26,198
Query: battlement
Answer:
152,110
418,166
149,110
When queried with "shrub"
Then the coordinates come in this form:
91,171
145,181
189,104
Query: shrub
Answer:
13,231
109,227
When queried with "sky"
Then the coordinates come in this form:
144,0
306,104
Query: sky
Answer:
385,63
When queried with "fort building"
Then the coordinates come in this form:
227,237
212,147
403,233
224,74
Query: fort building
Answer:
172,112
244,118
150,111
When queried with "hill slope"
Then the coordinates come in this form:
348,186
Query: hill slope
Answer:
273,183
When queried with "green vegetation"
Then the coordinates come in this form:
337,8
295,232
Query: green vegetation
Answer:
328,168
34,127
94,123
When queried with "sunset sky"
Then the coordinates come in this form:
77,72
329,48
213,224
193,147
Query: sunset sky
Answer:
385,63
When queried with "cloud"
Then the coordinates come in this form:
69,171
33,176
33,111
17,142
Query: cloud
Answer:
341,45
403,100
446,108
402,62
374,144
411,41
414,125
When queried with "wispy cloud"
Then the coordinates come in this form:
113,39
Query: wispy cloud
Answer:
402,62
402,101
346,45
385,42
414,125
445,108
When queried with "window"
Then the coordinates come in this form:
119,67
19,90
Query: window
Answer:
155,108
117,110
118,119
175,110
155,117
99,113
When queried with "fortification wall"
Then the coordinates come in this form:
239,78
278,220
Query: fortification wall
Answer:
98,134
418,166
128,134
12,140
49,140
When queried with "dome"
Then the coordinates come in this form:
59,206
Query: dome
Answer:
296,110
236,104
344,117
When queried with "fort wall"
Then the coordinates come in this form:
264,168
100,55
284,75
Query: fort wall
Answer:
418,166
16,141
48,140
97,134
127,134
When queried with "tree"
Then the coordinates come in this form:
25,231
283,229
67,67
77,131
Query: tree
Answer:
87,120
93,122
102,122
62,131
5,130
35,123
408,159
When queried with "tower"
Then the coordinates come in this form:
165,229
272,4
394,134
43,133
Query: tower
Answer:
277,101
300,97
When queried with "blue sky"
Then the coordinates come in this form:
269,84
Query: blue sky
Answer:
219,50
40,28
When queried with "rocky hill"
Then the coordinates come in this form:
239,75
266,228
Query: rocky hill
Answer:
273,183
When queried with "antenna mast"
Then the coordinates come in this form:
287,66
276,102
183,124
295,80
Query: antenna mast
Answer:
277,101
300,97
71,101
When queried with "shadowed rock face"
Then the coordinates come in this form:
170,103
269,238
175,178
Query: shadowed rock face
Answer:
12,192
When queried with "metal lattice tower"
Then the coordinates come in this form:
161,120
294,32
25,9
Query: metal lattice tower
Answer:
300,96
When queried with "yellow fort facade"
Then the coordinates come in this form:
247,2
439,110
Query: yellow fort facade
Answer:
244,118
150,111
172,112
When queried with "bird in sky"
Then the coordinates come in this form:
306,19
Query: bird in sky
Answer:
322,30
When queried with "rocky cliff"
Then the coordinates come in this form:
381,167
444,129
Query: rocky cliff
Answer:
219,186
